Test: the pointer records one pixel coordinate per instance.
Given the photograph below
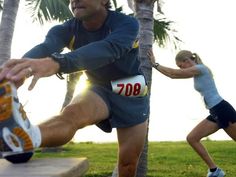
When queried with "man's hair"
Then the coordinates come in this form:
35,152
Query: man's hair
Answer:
108,4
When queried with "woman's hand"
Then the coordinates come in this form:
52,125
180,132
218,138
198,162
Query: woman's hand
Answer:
17,70
151,57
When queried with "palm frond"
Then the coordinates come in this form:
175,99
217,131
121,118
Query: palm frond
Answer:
47,10
163,33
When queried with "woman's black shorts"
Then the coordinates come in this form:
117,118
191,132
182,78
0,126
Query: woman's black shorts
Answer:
223,113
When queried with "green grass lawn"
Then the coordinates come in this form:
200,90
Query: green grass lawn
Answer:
166,159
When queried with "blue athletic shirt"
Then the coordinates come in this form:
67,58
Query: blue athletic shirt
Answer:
107,54
204,83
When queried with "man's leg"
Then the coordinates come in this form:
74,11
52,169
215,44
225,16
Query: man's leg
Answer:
18,137
85,109
131,143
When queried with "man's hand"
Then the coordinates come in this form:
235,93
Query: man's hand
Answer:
17,70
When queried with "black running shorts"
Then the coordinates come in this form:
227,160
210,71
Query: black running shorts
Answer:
223,113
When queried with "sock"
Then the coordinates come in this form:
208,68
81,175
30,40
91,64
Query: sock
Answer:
213,169
36,135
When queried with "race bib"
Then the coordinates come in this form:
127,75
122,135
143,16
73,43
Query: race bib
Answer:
134,86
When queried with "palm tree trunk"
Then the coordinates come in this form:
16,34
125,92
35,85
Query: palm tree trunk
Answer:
144,14
10,9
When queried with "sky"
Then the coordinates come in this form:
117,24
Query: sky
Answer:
205,27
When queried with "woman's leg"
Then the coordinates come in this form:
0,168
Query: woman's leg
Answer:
203,129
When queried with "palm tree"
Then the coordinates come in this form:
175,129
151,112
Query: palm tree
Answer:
144,14
9,12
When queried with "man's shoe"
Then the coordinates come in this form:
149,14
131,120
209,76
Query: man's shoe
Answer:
14,124
217,173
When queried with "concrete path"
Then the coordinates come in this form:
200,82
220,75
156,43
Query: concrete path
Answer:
45,167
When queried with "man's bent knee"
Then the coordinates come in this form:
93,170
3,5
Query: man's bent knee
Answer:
86,109
74,114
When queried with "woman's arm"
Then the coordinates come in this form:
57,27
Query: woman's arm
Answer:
171,72
177,73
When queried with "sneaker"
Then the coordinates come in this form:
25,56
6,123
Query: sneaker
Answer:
14,124
217,173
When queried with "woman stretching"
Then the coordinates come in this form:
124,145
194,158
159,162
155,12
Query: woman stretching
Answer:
221,113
